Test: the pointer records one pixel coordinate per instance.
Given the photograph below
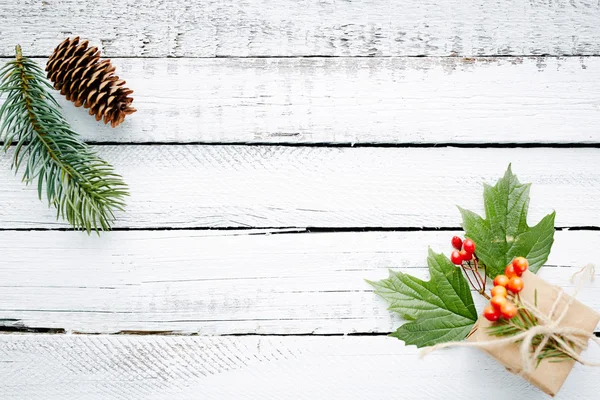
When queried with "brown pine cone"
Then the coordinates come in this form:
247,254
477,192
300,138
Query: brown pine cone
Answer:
78,73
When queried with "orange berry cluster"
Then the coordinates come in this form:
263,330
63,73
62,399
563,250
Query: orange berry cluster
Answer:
500,305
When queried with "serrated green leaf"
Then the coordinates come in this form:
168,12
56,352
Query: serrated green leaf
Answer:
504,234
439,310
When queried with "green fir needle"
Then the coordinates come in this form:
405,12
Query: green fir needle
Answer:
82,187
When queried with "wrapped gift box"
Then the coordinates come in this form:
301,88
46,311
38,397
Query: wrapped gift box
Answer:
551,373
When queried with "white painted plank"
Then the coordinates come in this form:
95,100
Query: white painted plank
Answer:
159,28
255,186
350,100
228,282
271,368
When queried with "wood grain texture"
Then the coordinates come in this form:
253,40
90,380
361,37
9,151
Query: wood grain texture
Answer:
356,100
234,282
161,28
244,78
270,368
255,186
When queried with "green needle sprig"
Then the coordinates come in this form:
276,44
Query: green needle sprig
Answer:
82,187
522,322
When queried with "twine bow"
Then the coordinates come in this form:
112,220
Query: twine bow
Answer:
569,339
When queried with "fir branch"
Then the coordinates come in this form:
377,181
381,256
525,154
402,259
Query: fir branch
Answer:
84,189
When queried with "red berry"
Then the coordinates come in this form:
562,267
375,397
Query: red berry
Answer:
520,265
469,246
465,256
457,243
510,271
498,301
456,258
491,313
508,310
499,291
501,280
515,284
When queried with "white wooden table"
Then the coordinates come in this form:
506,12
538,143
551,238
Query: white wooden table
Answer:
284,151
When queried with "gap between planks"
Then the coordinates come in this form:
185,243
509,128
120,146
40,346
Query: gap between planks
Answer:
272,230
480,145
58,331
481,57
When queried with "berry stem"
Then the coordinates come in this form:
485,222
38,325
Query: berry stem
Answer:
469,278
481,278
480,287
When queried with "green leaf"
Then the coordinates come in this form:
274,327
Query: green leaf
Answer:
504,234
440,310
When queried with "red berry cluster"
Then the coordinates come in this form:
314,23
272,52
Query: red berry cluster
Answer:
500,305
464,250
464,256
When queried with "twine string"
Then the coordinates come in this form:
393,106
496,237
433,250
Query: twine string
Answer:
567,338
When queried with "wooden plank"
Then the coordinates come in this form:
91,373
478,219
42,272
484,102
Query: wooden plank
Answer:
233,282
153,367
350,100
160,28
256,186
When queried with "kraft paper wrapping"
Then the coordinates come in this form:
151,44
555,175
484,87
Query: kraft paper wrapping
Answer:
548,376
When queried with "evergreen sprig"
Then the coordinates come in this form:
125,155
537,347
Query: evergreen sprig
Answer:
524,321
84,188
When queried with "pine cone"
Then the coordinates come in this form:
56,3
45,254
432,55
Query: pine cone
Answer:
78,73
